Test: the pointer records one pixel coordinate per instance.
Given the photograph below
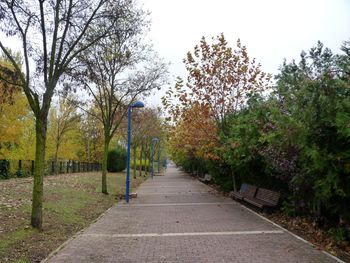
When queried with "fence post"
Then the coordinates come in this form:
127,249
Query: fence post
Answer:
60,167
19,168
67,167
52,167
32,168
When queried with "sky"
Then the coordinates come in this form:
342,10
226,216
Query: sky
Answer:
270,29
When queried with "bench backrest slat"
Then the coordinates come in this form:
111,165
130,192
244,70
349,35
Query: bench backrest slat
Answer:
244,187
268,195
248,190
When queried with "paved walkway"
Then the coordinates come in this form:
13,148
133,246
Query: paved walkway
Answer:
175,218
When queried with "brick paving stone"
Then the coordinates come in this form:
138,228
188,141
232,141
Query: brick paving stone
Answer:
197,224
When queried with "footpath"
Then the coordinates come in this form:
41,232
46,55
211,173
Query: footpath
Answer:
176,218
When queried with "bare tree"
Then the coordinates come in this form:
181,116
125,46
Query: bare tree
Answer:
53,33
115,72
92,135
64,118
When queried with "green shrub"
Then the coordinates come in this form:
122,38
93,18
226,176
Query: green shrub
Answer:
116,160
145,163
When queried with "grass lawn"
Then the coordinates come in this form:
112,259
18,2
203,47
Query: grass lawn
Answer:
71,202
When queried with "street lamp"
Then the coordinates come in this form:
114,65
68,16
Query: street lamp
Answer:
154,140
137,104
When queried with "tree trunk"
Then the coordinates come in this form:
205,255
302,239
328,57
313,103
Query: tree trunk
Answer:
141,153
150,163
56,158
104,166
88,149
145,158
134,150
233,181
317,207
158,161
39,170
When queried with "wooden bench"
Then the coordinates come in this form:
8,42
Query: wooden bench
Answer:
263,198
246,190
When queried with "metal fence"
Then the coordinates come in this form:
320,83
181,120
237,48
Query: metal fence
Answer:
25,168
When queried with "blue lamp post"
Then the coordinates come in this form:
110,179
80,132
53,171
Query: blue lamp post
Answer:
154,140
137,104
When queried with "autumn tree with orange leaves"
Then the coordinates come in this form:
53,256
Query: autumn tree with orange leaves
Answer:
219,83
195,134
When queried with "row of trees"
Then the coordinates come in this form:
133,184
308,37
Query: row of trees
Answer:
73,135
291,135
148,143
88,47
148,125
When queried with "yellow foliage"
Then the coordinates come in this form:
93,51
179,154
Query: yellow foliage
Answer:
15,119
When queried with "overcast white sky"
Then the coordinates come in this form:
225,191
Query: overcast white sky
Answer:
271,29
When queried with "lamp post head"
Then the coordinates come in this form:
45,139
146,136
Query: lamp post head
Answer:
137,104
155,139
